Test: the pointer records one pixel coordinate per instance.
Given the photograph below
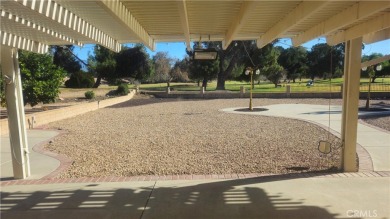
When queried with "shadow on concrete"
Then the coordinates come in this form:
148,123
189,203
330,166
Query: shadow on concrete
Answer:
223,199
372,112
6,178
375,111
323,112
381,104
255,109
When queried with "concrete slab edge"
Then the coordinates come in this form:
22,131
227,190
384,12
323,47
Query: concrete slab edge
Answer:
256,176
65,162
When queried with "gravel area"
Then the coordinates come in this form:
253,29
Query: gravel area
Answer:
151,136
381,122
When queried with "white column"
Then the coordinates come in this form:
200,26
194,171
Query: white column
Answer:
15,110
353,52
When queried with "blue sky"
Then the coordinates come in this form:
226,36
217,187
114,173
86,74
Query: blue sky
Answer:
177,50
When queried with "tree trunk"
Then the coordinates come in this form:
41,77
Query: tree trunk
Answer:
223,74
373,79
204,83
221,81
98,81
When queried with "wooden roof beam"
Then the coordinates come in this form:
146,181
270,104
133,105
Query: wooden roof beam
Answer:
374,25
296,16
242,16
184,22
377,36
347,17
375,61
123,15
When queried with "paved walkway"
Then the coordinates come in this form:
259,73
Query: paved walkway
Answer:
376,142
41,165
343,195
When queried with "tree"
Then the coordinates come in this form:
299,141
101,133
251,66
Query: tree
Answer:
162,67
179,72
133,62
227,61
203,70
238,73
322,57
294,61
230,59
80,79
63,57
268,57
129,62
41,79
103,64
274,73
265,59
385,69
385,66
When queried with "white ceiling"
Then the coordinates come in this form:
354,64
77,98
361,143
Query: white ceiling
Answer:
113,22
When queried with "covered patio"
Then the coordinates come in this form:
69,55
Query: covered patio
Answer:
34,25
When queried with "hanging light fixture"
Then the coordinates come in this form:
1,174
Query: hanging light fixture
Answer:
205,54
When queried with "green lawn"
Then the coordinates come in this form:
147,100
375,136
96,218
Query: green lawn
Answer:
381,84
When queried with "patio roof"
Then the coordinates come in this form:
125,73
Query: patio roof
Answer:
33,25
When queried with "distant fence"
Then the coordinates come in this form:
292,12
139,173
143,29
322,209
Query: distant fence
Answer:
316,88
378,86
288,91
321,88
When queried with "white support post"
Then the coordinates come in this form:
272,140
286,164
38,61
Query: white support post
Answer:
353,51
15,110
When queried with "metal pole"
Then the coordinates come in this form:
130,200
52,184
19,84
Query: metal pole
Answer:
368,94
250,95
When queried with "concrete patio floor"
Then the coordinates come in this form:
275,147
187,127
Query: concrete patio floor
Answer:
262,197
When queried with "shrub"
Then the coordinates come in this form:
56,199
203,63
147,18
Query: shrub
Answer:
2,90
89,95
41,79
80,79
122,90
